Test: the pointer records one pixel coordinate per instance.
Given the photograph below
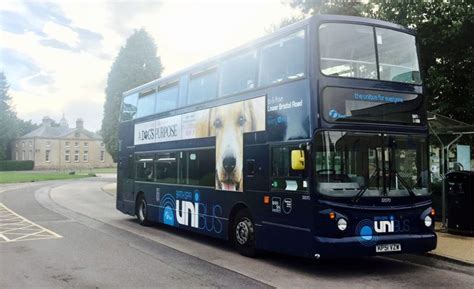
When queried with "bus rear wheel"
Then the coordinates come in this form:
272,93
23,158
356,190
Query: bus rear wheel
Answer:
244,233
142,211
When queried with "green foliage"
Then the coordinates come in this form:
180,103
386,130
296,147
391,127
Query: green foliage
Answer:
135,65
16,165
444,33
7,119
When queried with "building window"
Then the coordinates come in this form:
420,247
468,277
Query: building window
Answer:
30,155
102,156
76,144
67,144
30,144
86,144
22,144
22,155
48,144
86,156
16,156
67,156
76,156
47,157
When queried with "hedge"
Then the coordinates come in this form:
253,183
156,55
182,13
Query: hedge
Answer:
16,165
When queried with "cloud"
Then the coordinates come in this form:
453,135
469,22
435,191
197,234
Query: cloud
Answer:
60,33
57,55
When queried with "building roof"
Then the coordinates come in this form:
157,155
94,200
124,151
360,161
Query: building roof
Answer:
61,131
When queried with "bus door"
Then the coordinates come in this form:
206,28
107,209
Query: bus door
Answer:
288,217
125,183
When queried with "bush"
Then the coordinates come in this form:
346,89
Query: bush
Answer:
16,165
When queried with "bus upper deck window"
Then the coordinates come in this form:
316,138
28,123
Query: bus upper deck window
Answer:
283,60
202,86
129,107
398,60
347,50
239,73
146,103
166,98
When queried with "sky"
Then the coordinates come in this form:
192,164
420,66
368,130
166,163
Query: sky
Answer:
56,55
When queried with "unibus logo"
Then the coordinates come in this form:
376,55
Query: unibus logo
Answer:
384,226
185,211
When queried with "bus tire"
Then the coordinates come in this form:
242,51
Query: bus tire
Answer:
243,233
142,211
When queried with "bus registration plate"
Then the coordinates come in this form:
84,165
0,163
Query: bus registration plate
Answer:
388,248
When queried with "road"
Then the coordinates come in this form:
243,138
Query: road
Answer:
60,234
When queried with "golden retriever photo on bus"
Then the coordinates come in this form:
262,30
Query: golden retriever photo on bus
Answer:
228,123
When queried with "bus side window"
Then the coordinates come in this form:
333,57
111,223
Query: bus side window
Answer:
283,60
282,176
202,86
250,167
198,167
144,165
146,103
129,107
167,97
239,73
166,168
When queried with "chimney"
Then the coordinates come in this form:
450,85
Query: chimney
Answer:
79,123
47,121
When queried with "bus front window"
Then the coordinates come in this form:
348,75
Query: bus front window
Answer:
349,164
349,50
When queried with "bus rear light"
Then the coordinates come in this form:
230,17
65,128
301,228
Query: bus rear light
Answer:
433,212
332,215
266,200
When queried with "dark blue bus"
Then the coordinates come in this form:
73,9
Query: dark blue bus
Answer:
311,141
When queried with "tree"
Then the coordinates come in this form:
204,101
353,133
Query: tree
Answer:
444,31
11,126
136,64
7,119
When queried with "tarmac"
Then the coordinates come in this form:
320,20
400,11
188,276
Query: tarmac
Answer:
456,248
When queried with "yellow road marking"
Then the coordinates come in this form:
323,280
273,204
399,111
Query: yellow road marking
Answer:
14,227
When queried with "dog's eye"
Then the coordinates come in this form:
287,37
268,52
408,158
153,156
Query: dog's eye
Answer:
217,123
242,120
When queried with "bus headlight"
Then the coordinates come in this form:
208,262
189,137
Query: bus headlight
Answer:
428,221
342,224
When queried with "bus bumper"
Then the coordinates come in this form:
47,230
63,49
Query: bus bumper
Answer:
353,246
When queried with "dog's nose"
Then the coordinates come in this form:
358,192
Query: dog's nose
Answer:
229,164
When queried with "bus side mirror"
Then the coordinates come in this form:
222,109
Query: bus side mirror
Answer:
297,160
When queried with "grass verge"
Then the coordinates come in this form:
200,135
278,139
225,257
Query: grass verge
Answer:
29,176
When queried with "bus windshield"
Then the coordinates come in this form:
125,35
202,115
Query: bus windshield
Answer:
349,164
349,50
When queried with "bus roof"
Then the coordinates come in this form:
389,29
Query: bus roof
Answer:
212,61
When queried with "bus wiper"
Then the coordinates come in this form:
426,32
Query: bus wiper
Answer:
405,184
362,191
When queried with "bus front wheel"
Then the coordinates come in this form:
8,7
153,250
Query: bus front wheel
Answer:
244,233
142,211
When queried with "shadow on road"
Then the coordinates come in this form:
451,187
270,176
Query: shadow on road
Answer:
329,268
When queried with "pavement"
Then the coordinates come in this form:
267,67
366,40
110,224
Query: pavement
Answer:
100,247
454,247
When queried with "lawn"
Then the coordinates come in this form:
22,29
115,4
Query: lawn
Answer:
28,176
37,176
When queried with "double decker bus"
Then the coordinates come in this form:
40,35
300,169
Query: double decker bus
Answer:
311,141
